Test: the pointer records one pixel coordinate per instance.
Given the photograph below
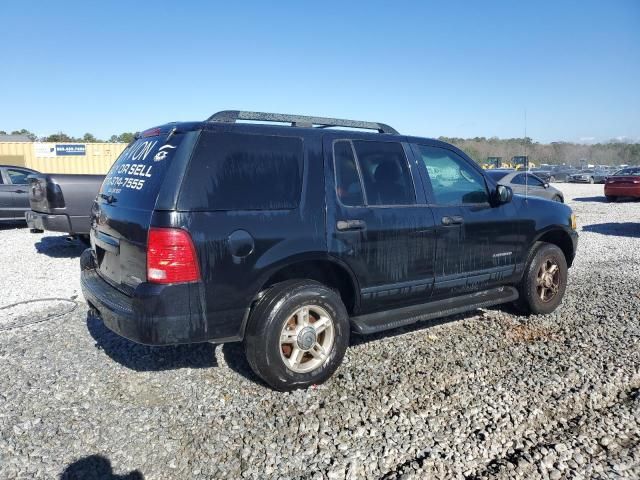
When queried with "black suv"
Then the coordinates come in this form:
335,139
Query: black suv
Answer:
289,236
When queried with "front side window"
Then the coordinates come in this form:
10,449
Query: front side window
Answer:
519,179
453,180
236,171
385,173
535,181
18,177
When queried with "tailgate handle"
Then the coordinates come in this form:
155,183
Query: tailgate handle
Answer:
107,242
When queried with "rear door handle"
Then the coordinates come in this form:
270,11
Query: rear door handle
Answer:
344,225
452,220
20,191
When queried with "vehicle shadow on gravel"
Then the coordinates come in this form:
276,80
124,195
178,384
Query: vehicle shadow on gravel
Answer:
624,229
12,225
60,247
600,199
143,358
96,467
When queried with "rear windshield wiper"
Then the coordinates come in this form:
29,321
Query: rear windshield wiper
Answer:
109,198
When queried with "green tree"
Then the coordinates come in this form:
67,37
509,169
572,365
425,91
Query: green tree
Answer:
126,137
59,137
32,136
89,138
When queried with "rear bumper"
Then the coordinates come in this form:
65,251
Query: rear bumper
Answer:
60,222
158,314
44,221
621,190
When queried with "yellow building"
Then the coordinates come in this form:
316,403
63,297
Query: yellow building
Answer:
94,158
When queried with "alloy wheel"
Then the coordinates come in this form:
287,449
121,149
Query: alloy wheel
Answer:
307,338
548,280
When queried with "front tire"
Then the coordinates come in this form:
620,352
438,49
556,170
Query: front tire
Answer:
297,334
544,281
557,198
591,180
610,198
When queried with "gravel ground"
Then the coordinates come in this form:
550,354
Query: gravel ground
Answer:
489,394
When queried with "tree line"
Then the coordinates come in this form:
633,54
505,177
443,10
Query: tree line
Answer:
478,148
556,153
60,137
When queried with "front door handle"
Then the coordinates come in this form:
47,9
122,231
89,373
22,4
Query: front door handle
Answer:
20,191
452,220
344,225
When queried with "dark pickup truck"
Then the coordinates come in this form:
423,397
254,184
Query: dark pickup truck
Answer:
62,202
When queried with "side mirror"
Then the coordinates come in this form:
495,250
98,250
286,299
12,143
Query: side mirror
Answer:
504,194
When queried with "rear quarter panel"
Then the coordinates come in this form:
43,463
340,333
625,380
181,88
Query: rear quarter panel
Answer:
278,237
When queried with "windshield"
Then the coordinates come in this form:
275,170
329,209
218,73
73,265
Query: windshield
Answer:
135,178
628,171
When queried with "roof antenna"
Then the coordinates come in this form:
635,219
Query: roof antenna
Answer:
526,159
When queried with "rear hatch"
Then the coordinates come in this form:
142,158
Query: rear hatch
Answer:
151,166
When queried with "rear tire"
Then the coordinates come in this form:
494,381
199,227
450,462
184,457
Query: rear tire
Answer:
545,280
591,180
610,198
557,198
284,346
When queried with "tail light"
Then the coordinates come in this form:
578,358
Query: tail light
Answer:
171,256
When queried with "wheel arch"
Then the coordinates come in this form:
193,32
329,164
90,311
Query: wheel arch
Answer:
324,269
562,240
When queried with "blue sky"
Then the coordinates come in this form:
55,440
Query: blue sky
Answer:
451,68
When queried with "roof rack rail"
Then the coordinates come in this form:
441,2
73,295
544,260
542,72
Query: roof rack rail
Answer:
231,116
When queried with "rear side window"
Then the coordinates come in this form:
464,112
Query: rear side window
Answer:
136,176
385,173
233,171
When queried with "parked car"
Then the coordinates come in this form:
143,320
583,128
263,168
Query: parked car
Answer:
526,183
561,173
62,203
14,192
290,237
623,183
589,176
542,173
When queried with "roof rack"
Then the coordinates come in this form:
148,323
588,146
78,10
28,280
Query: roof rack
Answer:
231,116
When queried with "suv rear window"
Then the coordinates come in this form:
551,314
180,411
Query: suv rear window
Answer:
235,171
136,176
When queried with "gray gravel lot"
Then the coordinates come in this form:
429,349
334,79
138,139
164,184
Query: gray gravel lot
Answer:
488,394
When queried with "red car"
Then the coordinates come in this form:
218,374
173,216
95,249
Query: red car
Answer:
623,183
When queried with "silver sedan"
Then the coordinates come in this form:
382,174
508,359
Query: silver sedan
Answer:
526,183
